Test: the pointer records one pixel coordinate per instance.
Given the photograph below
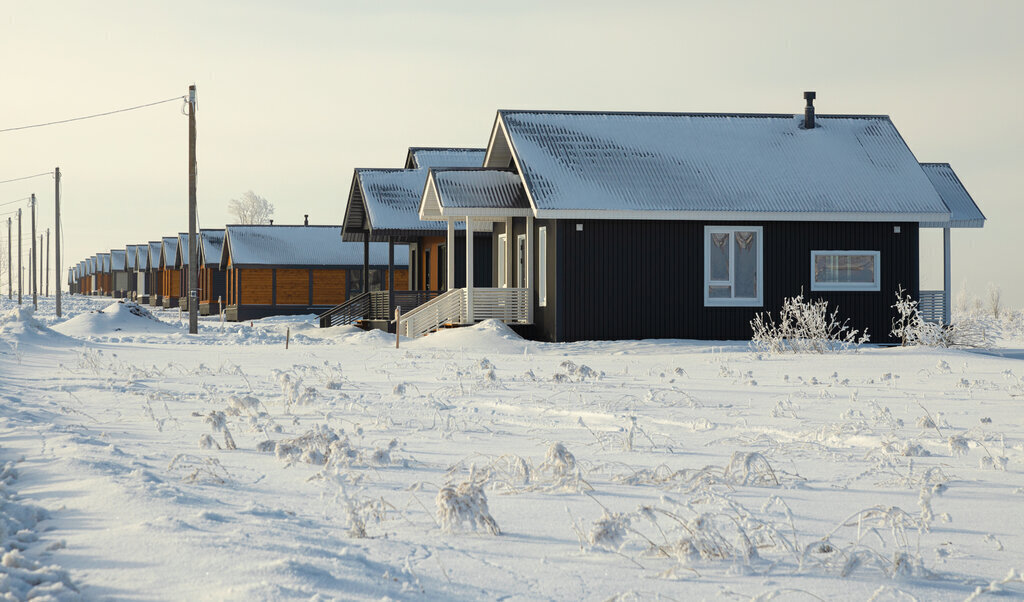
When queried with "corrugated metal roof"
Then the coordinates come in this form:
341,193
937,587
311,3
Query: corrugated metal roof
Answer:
182,252
426,157
652,162
168,251
154,249
117,259
964,212
303,246
479,188
103,262
143,257
129,258
211,242
392,198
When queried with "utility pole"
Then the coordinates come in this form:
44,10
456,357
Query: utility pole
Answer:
20,273
10,285
47,272
193,246
56,234
32,258
39,269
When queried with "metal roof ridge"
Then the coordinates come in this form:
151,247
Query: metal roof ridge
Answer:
691,114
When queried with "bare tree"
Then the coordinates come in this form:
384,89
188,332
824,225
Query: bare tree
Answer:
251,208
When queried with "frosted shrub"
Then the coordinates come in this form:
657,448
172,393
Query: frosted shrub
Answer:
465,503
912,329
803,327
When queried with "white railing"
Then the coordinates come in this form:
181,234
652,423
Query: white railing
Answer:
505,304
932,306
448,308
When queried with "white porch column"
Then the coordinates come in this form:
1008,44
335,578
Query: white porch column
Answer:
946,280
510,260
450,257
529,269
469,270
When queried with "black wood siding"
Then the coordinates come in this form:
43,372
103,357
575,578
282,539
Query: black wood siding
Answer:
482,261
645,279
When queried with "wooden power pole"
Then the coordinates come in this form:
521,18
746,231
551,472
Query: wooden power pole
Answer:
10,285
20,277
46,293
32,276
193,246
56,236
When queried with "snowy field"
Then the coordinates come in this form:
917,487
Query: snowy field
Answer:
139,463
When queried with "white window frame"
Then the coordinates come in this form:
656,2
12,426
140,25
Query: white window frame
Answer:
732,301
502,261
542,266
848,286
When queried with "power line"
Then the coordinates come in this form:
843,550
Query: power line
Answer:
45,173
39,125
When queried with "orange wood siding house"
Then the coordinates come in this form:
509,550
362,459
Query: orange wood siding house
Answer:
288,270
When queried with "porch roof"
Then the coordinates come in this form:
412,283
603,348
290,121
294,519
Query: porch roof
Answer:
722,166
385,203
473,192
963,212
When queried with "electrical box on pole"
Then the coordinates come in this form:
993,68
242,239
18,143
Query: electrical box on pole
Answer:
193,243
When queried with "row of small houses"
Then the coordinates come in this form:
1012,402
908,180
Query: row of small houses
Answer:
575,225
246,271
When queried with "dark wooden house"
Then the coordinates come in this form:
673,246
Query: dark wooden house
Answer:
287,270
212,279
170,273
654,225
118,273
153,249
383,206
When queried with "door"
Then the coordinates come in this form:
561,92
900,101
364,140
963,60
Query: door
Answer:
521,261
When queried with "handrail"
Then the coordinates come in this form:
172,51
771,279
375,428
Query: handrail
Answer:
444,309
505,304
350,311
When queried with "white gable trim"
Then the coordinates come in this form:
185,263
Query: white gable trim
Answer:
767,216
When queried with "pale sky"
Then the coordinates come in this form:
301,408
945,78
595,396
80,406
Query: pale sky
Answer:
294,95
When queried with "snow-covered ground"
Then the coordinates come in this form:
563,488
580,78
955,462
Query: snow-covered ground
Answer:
137,462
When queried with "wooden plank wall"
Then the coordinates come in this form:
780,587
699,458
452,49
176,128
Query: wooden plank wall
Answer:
292,287
328,287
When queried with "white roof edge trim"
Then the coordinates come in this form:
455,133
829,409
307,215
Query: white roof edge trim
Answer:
499,214
743,215
515,159
955,224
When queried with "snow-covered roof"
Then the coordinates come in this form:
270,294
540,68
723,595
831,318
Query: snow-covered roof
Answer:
426,157
103,262
142,257
181,255
963,212
391,198
129,258
117,260
168,251
154,253
477,191
265,245
705,166
210,243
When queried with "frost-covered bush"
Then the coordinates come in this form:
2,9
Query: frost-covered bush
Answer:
465,503
804,327
911,329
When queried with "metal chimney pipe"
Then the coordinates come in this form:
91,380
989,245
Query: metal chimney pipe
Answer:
305,222
809,110
271,222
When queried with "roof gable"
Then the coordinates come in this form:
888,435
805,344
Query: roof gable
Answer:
211,242
690,165
454,192
423,157
168,251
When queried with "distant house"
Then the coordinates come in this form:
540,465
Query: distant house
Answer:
383,206
143,278
212,279
644,225
170,273
180,262
153,250
119,273
282,270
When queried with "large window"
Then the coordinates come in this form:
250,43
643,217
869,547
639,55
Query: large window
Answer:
733,266
845,271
